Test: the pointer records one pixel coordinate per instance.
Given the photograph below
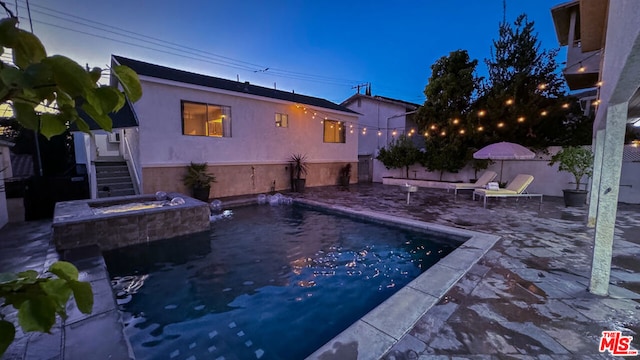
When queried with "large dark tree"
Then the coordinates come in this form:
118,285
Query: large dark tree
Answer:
524,99
445,118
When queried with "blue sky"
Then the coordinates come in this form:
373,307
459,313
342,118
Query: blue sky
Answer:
317,48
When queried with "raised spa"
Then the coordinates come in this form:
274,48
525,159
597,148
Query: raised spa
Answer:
126,220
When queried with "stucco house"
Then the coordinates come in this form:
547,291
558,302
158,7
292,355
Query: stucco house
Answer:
603,41
383,119
245,133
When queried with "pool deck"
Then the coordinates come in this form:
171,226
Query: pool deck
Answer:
524,298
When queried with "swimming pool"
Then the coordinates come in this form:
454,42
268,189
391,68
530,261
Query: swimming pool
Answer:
267,283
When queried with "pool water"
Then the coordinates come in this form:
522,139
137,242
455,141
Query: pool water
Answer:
269,282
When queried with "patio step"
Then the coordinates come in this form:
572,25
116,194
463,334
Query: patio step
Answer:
113,179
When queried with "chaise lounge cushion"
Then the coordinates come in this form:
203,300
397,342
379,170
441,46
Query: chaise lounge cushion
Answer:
517,186
482,181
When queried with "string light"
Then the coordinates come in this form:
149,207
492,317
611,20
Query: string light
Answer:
542,86
480,128
599,84
521,119
482,113
443,133
455,121
394,133
509,102
461,131
500,124
426,134
565,105
581,67
544,113
379,133
433,127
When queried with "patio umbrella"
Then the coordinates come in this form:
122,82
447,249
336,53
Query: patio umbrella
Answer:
504,151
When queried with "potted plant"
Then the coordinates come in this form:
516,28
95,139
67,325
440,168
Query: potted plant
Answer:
299,167
345,175
578,161
199,181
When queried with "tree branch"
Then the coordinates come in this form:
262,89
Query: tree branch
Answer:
7,9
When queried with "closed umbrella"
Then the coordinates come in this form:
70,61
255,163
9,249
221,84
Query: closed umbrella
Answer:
504,151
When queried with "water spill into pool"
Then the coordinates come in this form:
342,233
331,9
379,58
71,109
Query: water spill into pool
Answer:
267,283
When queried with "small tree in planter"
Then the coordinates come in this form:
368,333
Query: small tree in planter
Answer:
578,161
199,181
401,153
345,175
299,167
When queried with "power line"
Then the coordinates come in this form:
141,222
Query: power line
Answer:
229,62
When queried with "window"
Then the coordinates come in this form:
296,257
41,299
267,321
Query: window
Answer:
282,120
206,120
334,131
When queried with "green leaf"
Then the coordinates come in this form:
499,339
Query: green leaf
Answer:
95,74
26,115
7,277
29,276
12,77
104,121
37,314
52,124
82,125
105,99
57,289
64,270
7,334
8,32
129,80
69,76
83,294
27,49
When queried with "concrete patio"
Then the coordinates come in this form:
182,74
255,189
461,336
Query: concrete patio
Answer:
525,298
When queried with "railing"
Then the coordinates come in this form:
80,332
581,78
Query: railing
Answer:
128,155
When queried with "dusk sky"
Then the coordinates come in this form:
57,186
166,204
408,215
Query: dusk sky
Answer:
318,48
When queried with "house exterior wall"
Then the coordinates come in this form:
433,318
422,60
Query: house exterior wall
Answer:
252,158
380,119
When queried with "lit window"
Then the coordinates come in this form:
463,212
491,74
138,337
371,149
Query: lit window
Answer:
282,120
334,131
206,120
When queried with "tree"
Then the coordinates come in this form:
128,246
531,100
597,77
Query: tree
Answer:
401,153
524,100
44,93
445,118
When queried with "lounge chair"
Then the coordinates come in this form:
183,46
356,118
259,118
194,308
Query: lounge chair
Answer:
484,179
516,188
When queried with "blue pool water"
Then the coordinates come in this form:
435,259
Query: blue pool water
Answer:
270,282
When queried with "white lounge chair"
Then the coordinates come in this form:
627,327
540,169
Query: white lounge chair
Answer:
482,181
516,188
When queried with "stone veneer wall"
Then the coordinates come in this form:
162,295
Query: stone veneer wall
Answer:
232,180
75,225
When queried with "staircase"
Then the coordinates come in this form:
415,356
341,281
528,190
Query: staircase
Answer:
113,179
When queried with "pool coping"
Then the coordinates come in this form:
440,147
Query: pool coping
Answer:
375,333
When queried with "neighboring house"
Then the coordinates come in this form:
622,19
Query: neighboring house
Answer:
245,133
603,39
382,121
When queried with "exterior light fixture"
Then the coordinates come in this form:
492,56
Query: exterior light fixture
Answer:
581,68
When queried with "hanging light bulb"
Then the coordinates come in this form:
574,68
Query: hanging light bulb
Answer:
413,131
500,124
481,128
565,105
379,133
455,121
433,127
581,68
426,134
509,102
443,133
544,113
394,133
542,86
521,119
461,131
482,113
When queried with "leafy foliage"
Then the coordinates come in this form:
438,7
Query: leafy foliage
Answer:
197,176
576,160
401,153
39,299
300,166
445,118
524,100
35,81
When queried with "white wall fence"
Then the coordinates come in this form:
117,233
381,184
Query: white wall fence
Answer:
548,180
